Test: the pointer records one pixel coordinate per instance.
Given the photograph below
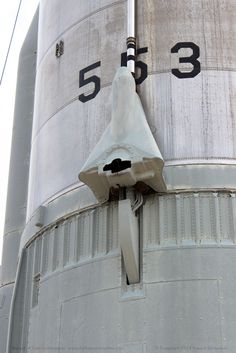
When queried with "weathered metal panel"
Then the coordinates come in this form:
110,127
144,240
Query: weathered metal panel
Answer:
15,218
188,117
185,298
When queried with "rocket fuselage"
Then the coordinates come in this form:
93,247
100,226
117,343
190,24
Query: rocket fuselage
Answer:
71,292
15,217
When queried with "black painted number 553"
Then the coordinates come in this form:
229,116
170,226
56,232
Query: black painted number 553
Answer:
86,78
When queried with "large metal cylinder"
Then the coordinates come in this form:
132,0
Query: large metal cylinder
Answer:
15,218
72,272
192,117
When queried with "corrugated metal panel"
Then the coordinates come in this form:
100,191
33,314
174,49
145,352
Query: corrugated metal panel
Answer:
190,218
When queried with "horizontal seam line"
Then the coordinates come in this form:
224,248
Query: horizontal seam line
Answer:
150,73
13,231
76,23
203,68
64,106
7,284
182,280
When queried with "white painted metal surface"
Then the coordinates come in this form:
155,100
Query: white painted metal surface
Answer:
131,17
128,232
192,119
185,297
71,283
15,218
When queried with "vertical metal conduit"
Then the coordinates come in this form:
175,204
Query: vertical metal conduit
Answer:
131,40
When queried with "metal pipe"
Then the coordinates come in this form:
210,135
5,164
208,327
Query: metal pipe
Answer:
131,40
10,322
